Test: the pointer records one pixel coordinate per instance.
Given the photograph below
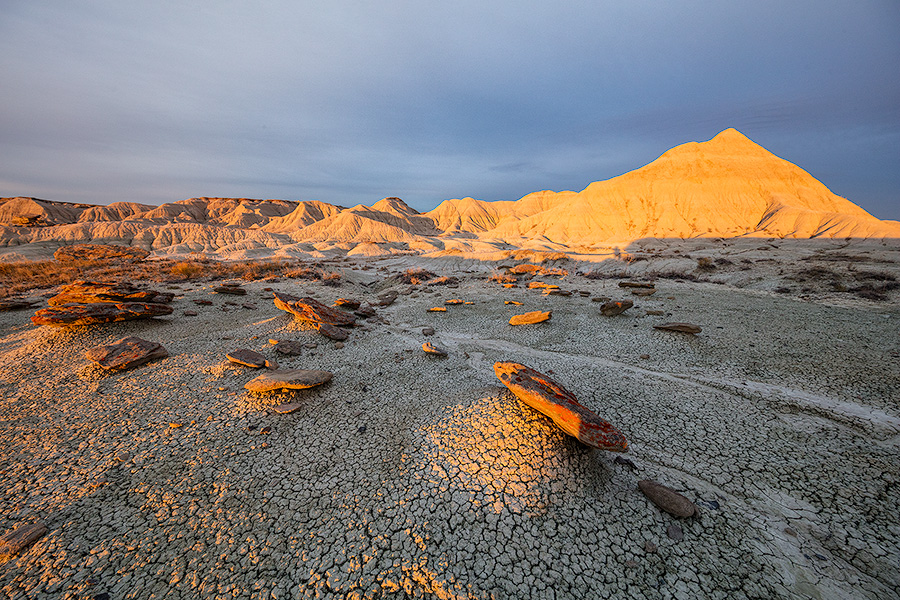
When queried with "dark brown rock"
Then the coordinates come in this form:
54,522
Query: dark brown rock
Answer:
332,332
234,290
680,327
611,309
309,309
531,318
98,312
288,347
637,284
364,312
667,499
126,353
386,298
248,358
87,292
294,379
20,539
287,408
600,299
190,313
202,302
347,303
643,291
427,331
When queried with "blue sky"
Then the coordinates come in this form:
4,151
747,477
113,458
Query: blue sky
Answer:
349,102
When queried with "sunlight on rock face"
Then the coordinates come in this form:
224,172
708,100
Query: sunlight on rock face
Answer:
508,457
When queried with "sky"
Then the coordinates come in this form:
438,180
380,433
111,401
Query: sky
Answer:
349,102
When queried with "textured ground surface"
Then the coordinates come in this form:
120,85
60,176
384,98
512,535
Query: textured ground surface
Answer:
411,475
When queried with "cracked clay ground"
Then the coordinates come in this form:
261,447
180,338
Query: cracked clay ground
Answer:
415,476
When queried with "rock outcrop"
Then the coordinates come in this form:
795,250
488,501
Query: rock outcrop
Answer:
98,312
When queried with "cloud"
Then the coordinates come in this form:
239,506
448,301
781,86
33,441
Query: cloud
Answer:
346,102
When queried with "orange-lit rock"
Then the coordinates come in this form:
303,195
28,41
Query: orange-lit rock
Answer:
93,291
126,353
291,379
309,309
98,312
530,318
548,397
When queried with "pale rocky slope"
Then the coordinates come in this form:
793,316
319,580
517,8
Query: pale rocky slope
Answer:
726,187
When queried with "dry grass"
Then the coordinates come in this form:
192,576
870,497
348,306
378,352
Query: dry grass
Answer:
415,276
22,277
500,277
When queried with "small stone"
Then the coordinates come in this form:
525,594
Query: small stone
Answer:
427,331
643,292
126,353
621,460
636,284
288,408
454,301
513,302
175,425
530,318
600,299
650,547
339,345
347,303
790,531
332,332
248,358
432,349
656,313
510,285
249,305
386,298
667,499
271,364
365,312
361,429
20,539
190,313
674,532
438,309
288,347
557,292
202,302
266,430
233,289
680,327
123,456
611,309
645,356
310,345
293,379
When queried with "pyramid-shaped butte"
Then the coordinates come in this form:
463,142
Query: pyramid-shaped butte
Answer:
726,187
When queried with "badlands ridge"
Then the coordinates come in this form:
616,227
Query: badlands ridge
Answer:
726,187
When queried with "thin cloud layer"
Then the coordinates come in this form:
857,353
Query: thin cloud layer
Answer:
348,104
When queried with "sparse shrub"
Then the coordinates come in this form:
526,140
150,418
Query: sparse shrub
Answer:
416,276
499,277
705,263
186,270
332,278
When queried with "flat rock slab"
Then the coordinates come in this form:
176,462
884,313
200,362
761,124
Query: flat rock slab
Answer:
309,309
288,347
680,327
530,318
126,353
430,348
234,290
386,298
291,379
98,312
667,499
20,539
364,312
643,291
513,302
454,301
548,397
87,292
332,332
637,284
247,358
438,309
288,408
611,309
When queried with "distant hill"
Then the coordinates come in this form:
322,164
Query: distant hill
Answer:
726,187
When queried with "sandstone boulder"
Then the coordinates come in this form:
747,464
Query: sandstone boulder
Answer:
386,298
347,303
126,353
430,348
85,292
232,289
667,499
292,379
548,397
531,318
309,309
288,347
98,312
